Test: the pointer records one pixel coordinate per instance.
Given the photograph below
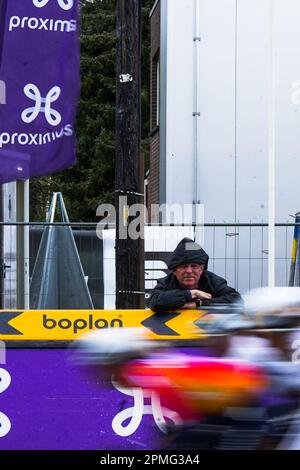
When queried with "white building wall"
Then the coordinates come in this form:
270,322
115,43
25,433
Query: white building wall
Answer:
225,78
179,125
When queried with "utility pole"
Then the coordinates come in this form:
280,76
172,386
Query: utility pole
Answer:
129,180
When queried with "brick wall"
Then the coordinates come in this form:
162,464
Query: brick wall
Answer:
153,178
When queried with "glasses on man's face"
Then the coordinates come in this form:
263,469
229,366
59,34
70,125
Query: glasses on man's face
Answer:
194,267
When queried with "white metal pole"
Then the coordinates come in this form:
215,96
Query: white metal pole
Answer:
196,109
26,246
271,150
22,238
197,217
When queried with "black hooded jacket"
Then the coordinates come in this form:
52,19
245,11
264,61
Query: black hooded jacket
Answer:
168,295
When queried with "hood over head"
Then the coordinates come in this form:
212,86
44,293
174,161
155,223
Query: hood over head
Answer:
186,252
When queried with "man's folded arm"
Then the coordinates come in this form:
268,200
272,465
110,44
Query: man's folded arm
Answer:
172,299
224,294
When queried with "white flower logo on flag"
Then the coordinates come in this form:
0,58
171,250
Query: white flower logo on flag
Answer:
64,4
42,105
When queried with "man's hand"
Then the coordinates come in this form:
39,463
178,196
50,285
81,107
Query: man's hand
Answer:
200,294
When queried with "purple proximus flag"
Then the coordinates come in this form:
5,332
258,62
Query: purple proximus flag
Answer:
39,86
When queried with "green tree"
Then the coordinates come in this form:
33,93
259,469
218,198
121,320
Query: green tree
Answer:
90,181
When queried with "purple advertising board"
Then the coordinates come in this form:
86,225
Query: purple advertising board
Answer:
39,86
47,402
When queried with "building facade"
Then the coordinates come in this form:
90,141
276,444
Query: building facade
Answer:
211,144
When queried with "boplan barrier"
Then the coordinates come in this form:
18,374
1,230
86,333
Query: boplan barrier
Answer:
67,325
49,402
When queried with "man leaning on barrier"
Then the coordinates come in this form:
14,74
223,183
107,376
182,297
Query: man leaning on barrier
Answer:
190,284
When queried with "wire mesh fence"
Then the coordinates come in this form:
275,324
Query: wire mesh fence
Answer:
238,252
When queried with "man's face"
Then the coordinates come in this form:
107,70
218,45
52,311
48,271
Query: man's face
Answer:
188,275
